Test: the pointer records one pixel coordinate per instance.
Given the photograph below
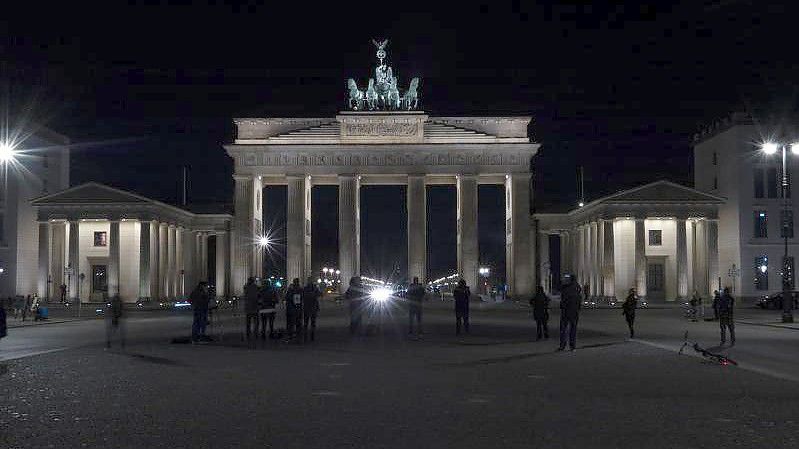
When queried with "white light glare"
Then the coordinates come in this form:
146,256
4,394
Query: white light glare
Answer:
770,147
763,268
6,152
795,148
381,294
580,204
264,241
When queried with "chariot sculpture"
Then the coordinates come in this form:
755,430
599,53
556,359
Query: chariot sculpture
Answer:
382,92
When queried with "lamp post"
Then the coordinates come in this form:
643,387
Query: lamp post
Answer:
787,301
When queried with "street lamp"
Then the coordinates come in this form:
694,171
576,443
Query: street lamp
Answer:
770,148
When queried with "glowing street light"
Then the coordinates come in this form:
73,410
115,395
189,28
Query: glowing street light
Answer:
770,148
264,241
7,152
381,294
484,271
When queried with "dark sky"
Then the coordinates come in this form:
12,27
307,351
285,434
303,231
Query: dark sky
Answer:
144,89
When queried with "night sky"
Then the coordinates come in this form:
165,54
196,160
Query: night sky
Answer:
620,89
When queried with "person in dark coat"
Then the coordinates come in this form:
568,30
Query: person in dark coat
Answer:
310,308
540,305
251,307
415,297
3,322
570,303
27,307
725,308
115,324
716,298
628,310
461,295
355,295
199,298
268,299
293,302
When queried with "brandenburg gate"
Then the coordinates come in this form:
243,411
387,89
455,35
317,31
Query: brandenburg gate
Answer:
381,140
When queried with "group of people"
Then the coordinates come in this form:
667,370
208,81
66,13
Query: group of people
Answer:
301,304
20,306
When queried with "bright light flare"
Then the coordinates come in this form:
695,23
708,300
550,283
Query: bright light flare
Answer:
7,152
770,147
381,294
795,148
264,241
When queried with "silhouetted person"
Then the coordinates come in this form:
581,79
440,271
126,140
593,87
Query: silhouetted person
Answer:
628,310
251,308
293,302
63,290
415,295
27,307
461,295
199,303
570,303
540,305
3,318
114,325
310,308
725,308
268,296
716,298
355,295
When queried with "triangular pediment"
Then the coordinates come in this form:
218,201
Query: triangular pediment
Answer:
90,193
660,192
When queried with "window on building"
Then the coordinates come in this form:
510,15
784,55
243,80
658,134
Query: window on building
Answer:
761,224
786,224
773,182
761,273
758,183
655,237
100,238
715,158
788,267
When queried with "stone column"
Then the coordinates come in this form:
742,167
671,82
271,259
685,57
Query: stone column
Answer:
58,237
163,265
221,264
170,271
518,265
349,227
204,257
74,260
577,254
144,260
545,268
155,258
246,227
592,259
44,261
585,255
640,257
417,228
600,258
681,250
712,229
608,262
466,186
113,260
565,253
297,236
180,266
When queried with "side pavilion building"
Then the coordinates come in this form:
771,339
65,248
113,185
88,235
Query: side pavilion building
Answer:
100,242
660,238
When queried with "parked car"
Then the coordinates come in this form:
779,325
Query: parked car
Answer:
775,301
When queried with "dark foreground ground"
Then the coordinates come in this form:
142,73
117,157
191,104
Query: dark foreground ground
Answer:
493,388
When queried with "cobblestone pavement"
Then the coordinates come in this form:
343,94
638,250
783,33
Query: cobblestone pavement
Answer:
495,387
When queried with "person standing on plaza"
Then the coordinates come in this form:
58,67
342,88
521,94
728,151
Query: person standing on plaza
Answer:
199,303
63,290
540,305
27,307
114,325
725,309
461,295
3,322
716,298
628,310
310,308
19,303
293,301
354,295
268,297
570,303
694,302
415,294
251,308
